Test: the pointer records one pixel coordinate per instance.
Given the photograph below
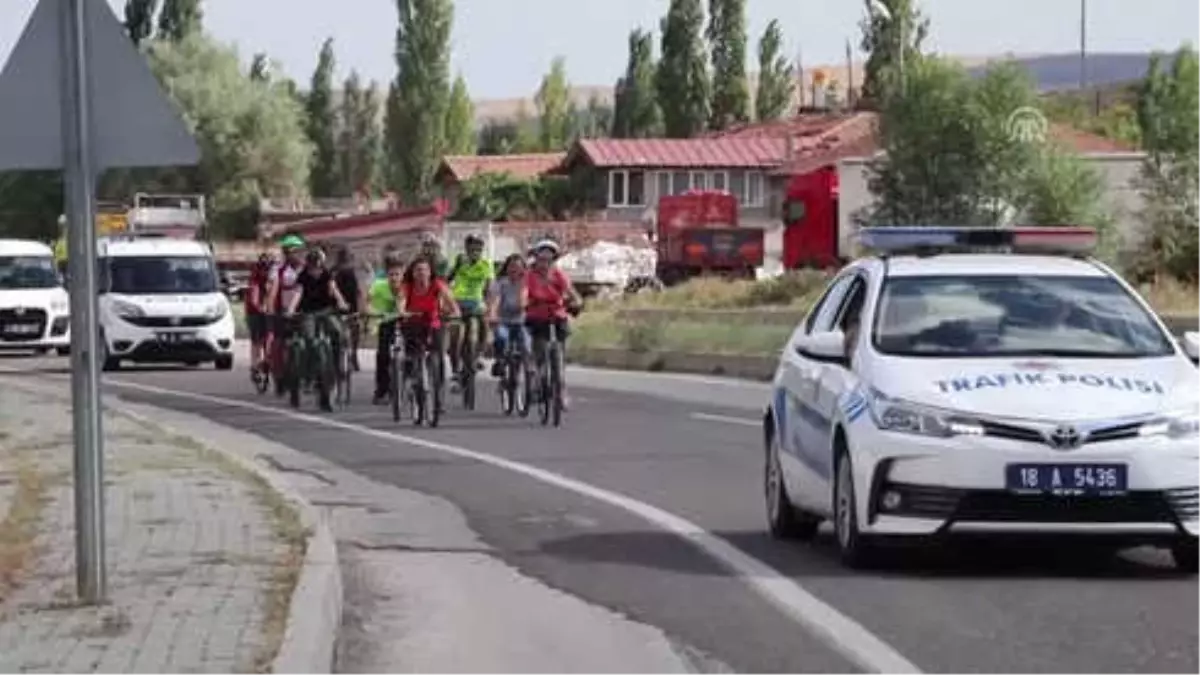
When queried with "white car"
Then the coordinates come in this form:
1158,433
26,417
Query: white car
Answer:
161,302
936,390
34,312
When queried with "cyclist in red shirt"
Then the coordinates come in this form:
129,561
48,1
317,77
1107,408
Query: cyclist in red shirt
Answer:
424,298
551,296
257,316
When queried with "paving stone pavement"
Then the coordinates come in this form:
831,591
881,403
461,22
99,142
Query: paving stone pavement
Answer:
201,555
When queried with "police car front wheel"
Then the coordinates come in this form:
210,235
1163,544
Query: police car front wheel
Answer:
856,549
783,518
1185,552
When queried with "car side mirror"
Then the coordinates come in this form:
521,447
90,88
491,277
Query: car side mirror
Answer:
825,346
1191,345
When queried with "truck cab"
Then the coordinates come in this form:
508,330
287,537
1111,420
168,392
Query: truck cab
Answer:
810,219
161,302
34,310
699,233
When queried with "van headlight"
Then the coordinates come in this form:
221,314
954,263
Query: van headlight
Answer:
58,306
1180,424
216,311
127,310
893,414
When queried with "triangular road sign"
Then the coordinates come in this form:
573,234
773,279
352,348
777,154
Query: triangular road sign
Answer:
133,122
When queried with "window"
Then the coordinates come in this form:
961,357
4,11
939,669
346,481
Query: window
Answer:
737,185
616,188
1010,316
637,188
626,188
158,276
822,315
754,189
720,180
699,180
680,182
27,272
663,179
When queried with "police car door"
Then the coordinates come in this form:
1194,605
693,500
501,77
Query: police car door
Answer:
802,438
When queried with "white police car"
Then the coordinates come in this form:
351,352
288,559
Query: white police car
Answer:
34,310
983,381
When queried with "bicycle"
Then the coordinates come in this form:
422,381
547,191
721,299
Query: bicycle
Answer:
416,379
260,376
467,358
344,370
515,385
548,358
311,363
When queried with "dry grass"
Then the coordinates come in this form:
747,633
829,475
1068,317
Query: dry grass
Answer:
1171,297
19,528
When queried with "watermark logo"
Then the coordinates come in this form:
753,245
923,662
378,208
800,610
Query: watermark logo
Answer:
1027,125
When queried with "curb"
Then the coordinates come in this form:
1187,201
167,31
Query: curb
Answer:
315,608
742,366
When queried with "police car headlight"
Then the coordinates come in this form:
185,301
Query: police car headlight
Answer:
127,310
216,311
1180,424
894,414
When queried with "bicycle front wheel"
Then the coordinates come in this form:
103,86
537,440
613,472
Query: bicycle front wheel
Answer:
434,404
556,385
397,386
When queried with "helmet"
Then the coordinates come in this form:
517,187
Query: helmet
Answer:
473,240
546,244
430,239
315,257
292,241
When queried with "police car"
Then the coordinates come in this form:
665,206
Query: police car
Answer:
984,381
34,312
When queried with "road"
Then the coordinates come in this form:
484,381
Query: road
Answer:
629,505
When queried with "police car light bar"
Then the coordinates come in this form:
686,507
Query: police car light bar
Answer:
934,240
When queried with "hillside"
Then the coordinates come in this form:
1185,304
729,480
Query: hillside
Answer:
1052,72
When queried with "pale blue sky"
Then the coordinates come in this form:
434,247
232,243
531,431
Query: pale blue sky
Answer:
504,46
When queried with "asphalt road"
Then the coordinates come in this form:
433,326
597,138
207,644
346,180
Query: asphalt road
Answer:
689,447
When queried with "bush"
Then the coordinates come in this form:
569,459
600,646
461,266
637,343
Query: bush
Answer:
794,289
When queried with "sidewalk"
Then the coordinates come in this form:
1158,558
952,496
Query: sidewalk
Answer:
202,555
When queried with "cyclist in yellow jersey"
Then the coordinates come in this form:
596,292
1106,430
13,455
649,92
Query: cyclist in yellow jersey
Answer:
470,278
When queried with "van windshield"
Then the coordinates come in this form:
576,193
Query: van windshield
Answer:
27,272
161,275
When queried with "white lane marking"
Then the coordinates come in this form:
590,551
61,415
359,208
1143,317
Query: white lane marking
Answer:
839,631
726,419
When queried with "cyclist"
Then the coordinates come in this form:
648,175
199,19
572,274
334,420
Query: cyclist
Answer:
431,248
354,293
316,300
282,288
257,315
506,311
423,298
383,305
470,278
550,294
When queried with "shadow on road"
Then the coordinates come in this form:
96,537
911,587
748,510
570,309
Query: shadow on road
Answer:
1032,559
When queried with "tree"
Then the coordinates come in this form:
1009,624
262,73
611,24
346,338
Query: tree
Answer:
1166,111
460,120
682,79
180,18
498,137
322,125
776,76
139,19
593,121
251,134
30,204
260,68
422,88
881,39
727,39
553,102
359,137
636,112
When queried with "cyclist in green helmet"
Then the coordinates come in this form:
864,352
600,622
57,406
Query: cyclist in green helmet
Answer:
470,278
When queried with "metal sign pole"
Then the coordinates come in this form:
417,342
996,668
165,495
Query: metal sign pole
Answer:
79,171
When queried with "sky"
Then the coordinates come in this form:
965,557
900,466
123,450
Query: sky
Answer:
503,47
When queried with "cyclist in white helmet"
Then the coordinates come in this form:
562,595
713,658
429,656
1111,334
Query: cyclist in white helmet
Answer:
552,298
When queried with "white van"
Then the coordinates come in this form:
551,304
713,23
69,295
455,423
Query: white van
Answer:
34,313
160,302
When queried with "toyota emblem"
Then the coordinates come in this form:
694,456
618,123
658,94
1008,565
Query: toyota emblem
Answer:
174,321
1065,437
20,311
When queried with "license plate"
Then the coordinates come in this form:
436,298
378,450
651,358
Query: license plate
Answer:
173,338
20,328
1068,479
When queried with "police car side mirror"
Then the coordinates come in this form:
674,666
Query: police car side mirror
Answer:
824,346
1191,345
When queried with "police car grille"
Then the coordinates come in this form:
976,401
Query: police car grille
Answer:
1116,433
1016,433
1000,506
170,322
1184,502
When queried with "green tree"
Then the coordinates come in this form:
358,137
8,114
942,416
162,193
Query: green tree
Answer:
1168,101
260,68
322,125
776,76
460,120
251,134
636,112
417,135
180,18
884,39
528,135
359,137
139,19
30,204
682,80
727,40
593,121
553,101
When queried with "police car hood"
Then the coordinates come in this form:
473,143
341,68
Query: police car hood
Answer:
186,304
1051,389
32,297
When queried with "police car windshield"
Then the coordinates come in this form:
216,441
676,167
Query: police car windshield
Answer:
1028,315
27,272
161,275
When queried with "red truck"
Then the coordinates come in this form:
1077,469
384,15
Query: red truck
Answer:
698,233
810,219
